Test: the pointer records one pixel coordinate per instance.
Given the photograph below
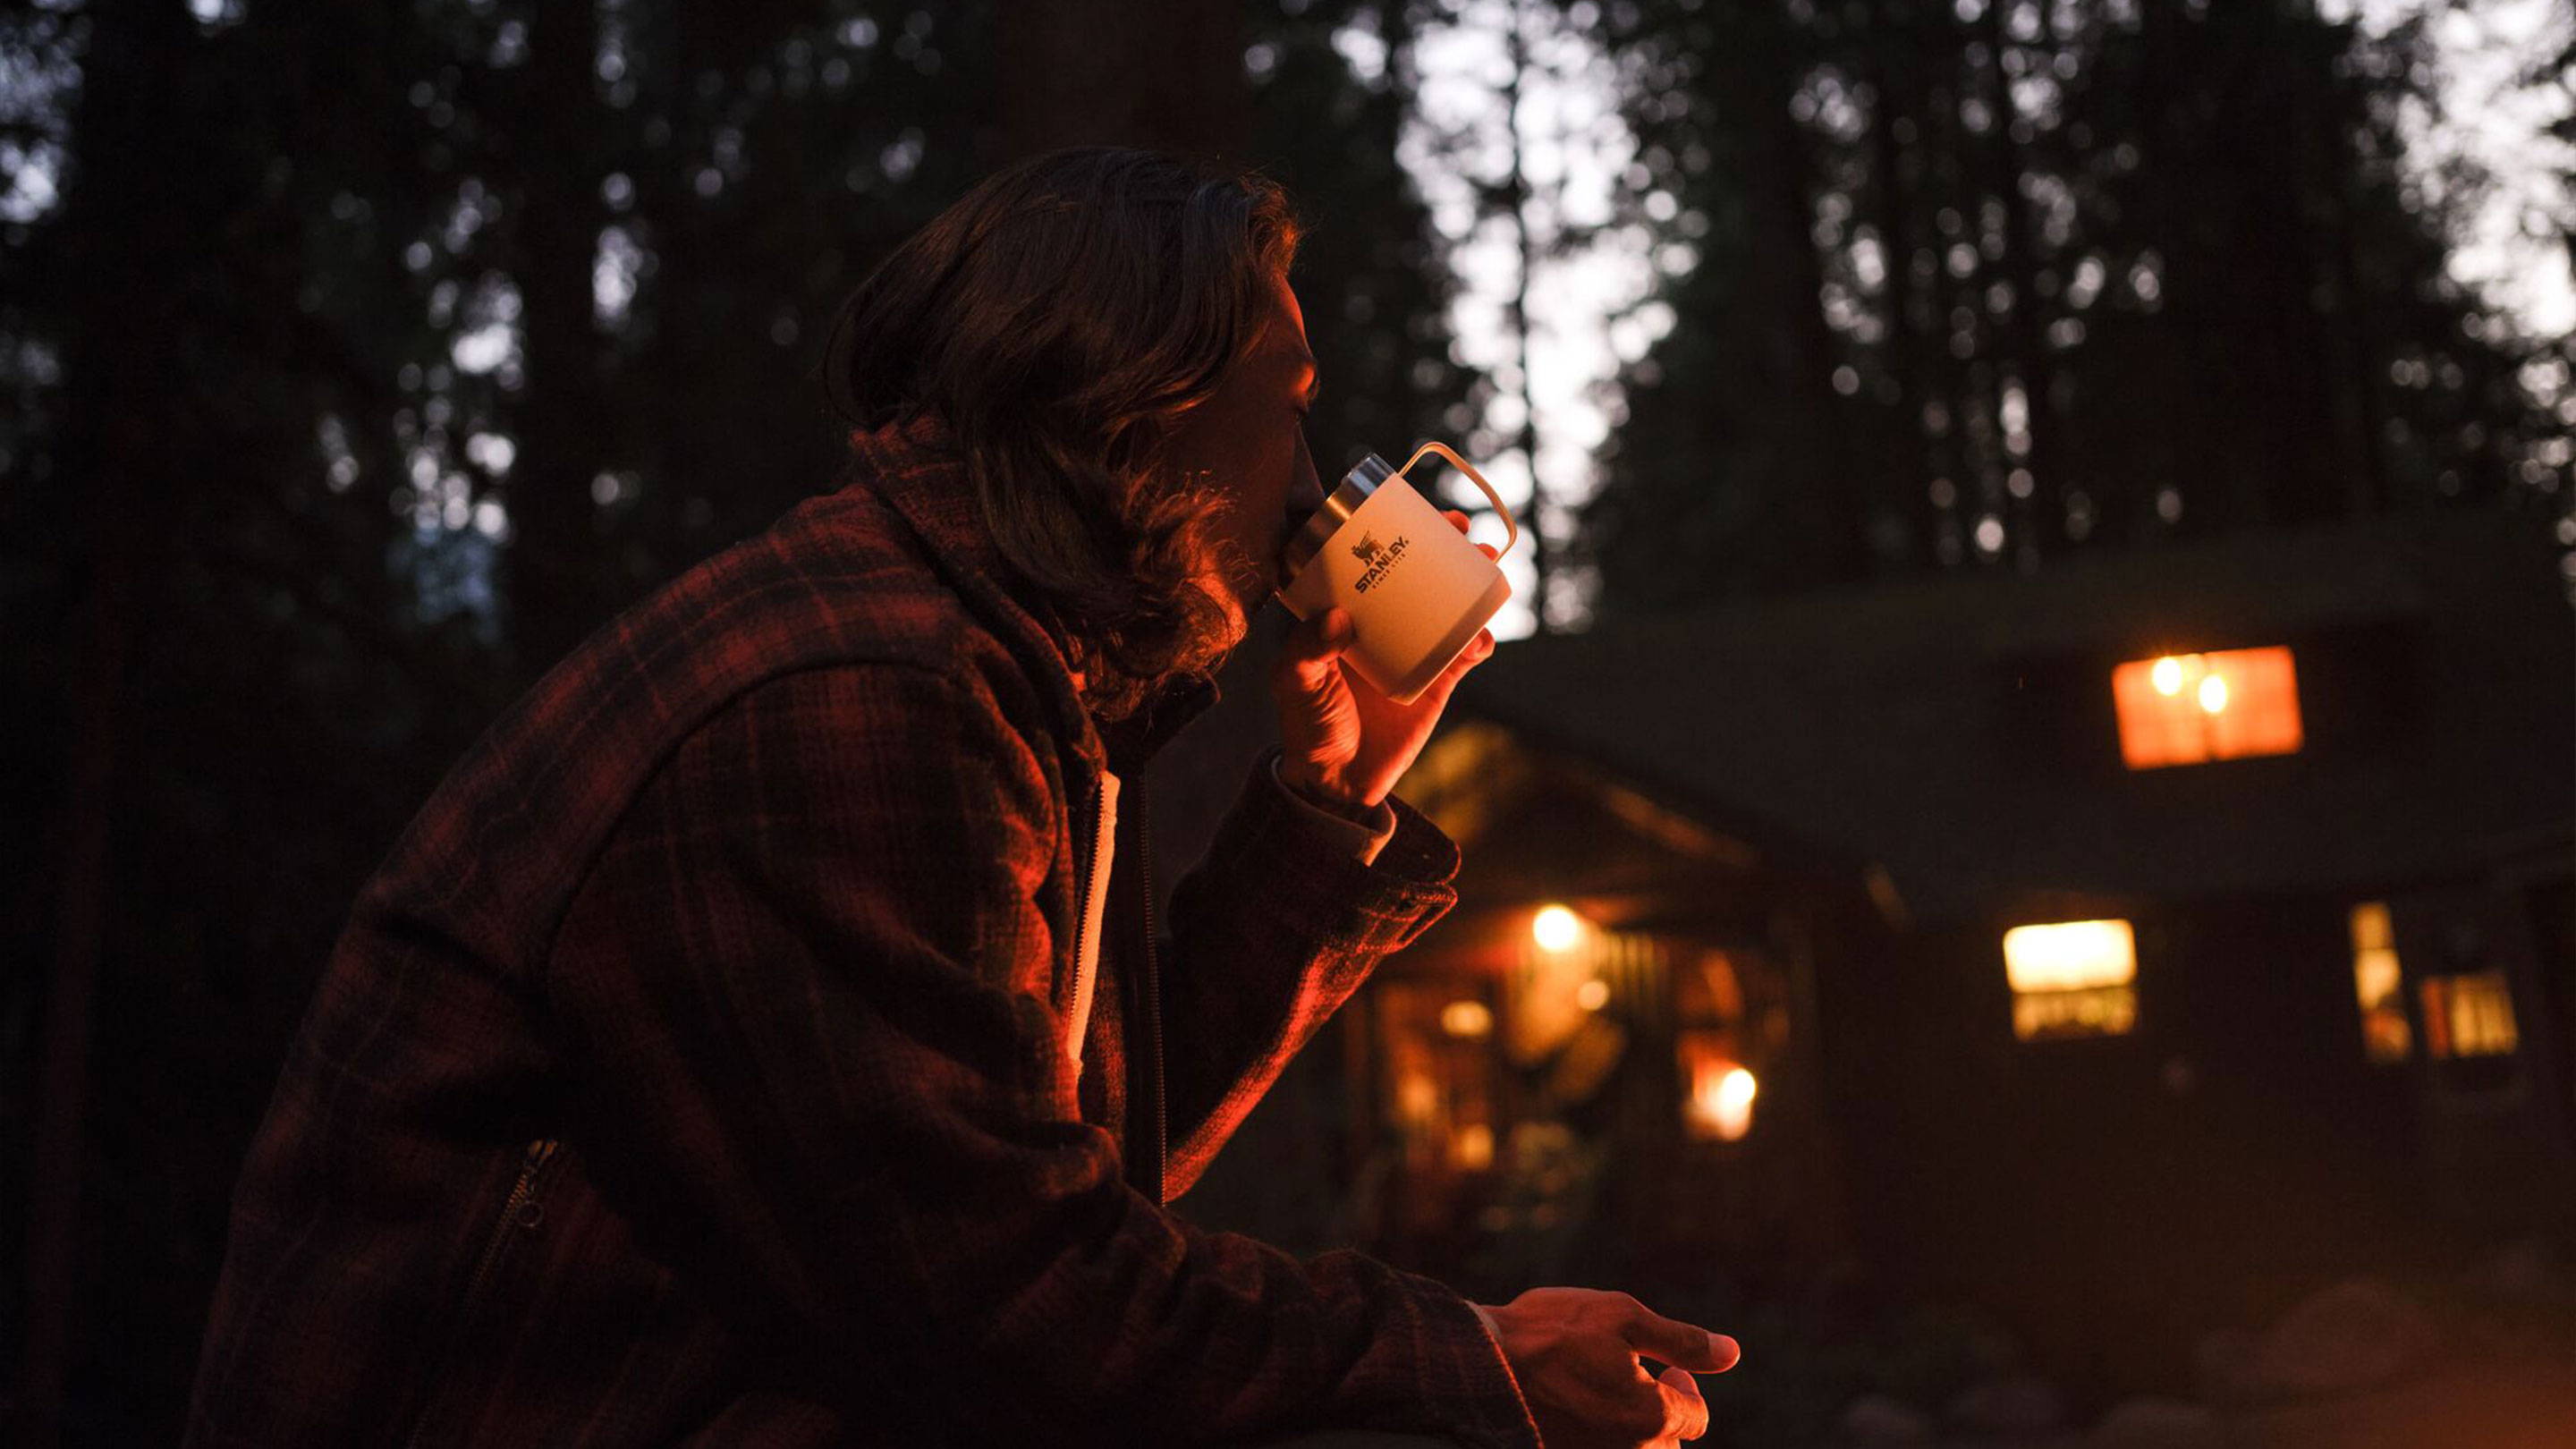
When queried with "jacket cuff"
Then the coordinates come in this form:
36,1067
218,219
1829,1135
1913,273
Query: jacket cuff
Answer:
1301,883
1362,841
1493,1411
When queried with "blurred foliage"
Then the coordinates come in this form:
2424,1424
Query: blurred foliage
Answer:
1991,283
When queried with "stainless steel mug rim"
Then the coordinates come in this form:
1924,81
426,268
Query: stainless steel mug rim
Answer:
1355,489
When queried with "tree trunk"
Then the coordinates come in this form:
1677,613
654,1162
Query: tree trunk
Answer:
2031,364
552,214
1517,195
1162,74
133,180
1890,56
1801,455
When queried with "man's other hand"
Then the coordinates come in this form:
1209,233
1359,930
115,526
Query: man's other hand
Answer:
1344,744
1576,1353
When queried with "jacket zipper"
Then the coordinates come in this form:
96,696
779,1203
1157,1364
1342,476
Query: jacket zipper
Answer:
520,1211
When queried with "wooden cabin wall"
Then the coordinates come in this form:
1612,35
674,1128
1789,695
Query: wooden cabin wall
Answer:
2117,1198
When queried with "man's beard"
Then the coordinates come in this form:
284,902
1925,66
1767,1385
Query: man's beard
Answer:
1240,587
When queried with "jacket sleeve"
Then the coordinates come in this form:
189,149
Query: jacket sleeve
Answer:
1271,932
817,1022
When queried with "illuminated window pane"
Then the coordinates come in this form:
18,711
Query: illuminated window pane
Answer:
2469,1016
2184,709
2070,955
2101,1011
2385,1037
1720,1105
2072,978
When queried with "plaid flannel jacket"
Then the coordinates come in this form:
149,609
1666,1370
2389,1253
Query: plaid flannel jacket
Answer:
693,1068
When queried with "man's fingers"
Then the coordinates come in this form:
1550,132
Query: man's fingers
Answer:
1679,1344
1313,649
1458,521
1682,1383
1468,658
1685,1410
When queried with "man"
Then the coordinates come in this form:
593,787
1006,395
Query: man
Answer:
762,1037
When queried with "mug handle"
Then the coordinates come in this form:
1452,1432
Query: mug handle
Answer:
1463,466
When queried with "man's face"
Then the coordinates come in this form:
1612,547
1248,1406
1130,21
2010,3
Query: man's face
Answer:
1250,435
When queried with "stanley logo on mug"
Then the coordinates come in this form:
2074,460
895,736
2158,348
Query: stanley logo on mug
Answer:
1378,558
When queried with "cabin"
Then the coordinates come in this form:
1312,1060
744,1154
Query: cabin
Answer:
2125,946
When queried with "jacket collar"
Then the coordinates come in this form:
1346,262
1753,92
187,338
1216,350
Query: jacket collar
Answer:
917,467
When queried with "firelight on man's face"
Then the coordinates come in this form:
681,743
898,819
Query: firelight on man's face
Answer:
1250,435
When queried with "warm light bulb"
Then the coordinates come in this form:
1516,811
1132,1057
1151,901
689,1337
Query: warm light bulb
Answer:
1735,1101
1723,1102
2213,694
1592,995
2167,676
1557,929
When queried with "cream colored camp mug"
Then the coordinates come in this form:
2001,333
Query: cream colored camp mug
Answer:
1416,589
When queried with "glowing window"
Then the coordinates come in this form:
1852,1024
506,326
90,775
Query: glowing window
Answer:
2469,1015
2184,709
2385,1037
1438,1107
2072,978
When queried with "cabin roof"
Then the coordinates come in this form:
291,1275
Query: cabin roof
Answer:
1957,732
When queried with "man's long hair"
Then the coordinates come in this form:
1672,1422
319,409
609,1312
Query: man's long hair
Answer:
1058,320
